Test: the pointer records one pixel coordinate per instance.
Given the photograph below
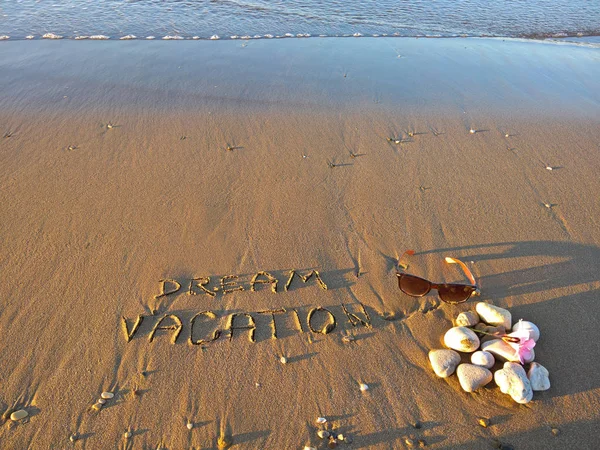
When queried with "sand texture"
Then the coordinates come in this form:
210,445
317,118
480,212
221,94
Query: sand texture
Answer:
115,174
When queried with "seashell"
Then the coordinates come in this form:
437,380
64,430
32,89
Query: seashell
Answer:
127,434
107,395
283,360
484,422
101,401
363,387
534,331
321,420
190,425
323,434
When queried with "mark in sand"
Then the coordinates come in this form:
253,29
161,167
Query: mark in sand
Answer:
550,205
355,155
231,148
8,134
435,131
72,147
424,188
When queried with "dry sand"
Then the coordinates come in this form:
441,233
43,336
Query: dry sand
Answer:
87,233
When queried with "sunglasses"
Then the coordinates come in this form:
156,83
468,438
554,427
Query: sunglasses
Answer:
452,293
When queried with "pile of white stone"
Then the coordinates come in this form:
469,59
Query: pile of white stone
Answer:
512,378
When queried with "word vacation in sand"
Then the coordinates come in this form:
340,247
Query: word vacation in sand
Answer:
206,326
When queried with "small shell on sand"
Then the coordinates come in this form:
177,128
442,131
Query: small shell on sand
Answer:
18,415
484,422
107,395
363,387
127,434
73,437
189,425
323,434
321,420
101,401
97,406
283,360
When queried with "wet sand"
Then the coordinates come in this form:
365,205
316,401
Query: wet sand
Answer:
116,174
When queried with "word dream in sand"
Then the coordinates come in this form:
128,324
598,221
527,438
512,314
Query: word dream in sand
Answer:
198,286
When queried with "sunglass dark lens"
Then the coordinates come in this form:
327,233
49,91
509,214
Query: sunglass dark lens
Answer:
455,293
415,286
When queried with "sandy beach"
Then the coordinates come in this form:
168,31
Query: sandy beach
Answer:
208,163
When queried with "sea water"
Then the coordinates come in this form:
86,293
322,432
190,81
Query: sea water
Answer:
250,19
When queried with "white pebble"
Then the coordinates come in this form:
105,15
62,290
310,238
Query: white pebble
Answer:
538,376
190,425
472,131
283,360
127,434
444,362
504,351
101,401
512,380
363,387
18,415
461,339
483,359
107,395
473,377
321,420
494,315
467,319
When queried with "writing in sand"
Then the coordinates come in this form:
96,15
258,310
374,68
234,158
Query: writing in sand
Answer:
206,326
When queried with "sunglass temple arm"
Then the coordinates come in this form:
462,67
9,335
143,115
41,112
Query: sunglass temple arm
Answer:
465,269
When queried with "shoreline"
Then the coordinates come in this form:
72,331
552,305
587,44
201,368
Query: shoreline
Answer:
470,76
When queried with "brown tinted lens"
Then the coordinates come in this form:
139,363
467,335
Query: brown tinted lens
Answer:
415,286
455,293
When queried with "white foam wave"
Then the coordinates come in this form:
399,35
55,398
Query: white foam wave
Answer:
80,38
235,36
99,37
214,37
30,37
150,38
172,38
3,38
195,38
128,37
51,36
